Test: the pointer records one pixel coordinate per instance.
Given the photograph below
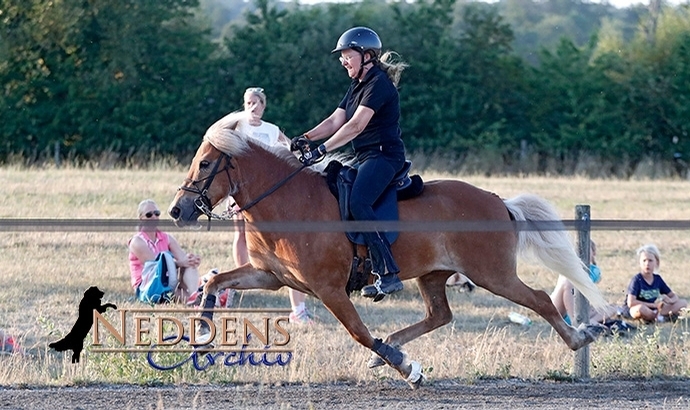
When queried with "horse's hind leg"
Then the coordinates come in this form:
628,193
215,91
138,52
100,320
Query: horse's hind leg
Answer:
432,287
512,288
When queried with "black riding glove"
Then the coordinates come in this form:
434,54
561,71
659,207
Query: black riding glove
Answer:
312,157
299,143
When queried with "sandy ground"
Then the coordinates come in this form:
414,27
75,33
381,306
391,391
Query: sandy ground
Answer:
439,394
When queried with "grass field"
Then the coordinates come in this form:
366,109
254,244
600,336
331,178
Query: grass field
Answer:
45,273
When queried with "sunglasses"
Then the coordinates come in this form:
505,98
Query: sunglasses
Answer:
256,90
152,213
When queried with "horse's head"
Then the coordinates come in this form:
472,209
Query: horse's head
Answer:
208,181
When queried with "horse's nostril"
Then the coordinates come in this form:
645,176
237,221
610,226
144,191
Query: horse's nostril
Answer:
174,212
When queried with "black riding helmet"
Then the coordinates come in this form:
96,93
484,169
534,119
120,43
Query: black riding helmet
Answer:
361,39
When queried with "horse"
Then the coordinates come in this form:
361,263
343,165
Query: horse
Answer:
228,162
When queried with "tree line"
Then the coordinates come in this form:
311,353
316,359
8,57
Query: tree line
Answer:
128,78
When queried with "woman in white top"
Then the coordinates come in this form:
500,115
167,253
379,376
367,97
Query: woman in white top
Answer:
253,125
269,134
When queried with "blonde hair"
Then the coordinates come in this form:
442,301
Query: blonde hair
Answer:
257,91
391,63
143,204
650,249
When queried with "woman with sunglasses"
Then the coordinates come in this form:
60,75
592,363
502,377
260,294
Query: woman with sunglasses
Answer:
146,244
368,117
269,134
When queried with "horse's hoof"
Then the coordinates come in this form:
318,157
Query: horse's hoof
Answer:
586,335
375,361
203,345
416,385
202,339
592,331
205,349
416,377
596,330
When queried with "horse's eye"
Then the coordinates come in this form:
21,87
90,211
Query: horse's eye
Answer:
203,164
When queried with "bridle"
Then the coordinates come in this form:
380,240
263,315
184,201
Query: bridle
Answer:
202,201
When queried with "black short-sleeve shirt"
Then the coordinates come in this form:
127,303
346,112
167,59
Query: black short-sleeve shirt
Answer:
377,92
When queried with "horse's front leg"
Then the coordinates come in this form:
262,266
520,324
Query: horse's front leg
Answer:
339,304
244,277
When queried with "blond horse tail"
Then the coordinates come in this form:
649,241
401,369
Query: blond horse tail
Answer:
552,248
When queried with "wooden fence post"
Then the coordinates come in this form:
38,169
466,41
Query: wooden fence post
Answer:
56,154
583,221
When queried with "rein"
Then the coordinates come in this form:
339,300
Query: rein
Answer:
265,194
203,203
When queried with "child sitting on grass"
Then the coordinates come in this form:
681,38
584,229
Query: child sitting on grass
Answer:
649,297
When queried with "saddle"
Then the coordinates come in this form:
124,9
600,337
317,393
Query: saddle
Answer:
340,178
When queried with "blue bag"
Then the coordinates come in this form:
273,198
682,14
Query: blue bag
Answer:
594,273
157,279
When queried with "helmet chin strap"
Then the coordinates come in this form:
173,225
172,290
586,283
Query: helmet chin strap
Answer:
361,66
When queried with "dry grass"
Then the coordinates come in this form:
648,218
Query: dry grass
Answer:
45,273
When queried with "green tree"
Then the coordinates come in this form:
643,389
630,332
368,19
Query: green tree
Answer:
542,24
575,106
652,79
463,91
288,54
95,75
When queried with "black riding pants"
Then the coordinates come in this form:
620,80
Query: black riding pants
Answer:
376,171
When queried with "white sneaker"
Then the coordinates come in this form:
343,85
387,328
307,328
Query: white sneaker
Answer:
302,318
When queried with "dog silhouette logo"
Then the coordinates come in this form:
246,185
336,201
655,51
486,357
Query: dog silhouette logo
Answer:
74,340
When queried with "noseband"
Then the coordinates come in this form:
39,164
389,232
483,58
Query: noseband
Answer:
202,201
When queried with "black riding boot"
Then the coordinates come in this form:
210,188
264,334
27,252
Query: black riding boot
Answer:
384,268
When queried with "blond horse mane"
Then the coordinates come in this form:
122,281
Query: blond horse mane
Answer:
225,138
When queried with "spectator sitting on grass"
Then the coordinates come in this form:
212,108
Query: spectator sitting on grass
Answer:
563,295
146,244
649,297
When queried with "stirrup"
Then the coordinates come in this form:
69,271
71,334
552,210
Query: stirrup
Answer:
378,290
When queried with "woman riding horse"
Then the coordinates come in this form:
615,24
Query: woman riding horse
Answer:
369,117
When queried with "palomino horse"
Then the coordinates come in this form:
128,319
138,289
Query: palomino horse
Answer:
318,263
